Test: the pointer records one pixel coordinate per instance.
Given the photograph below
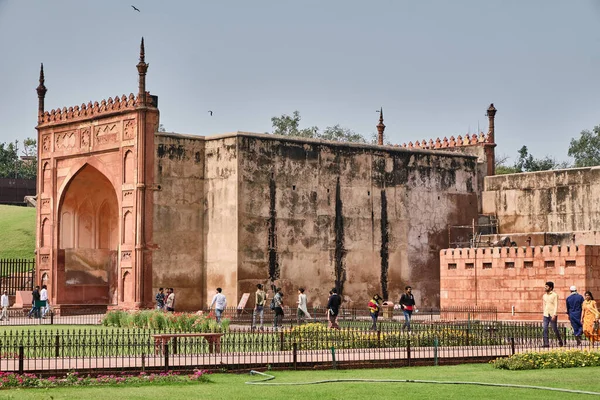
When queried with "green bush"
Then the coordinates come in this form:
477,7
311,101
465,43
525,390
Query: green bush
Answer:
159,320
549,359
317,336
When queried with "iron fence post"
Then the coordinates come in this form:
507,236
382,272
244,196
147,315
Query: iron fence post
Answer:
21,357
57,346
166,353
408,351
512,346
295,354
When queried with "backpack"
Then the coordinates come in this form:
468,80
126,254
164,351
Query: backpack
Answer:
272,305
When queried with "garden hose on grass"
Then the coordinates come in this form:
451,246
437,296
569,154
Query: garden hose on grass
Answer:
503,385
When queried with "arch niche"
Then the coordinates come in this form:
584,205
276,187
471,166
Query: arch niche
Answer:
88,240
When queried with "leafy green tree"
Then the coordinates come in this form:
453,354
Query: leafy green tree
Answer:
339,134
586,149
11,166
287,125
527,163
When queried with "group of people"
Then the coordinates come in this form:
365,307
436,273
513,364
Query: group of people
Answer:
406,304
40,306
165,301
582,311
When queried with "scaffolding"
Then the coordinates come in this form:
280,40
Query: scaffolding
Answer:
461,236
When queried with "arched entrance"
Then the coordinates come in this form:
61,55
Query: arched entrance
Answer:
88,240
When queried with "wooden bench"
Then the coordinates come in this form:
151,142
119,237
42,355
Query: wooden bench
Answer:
163,339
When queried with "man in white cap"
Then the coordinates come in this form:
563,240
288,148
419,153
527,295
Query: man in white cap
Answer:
574,302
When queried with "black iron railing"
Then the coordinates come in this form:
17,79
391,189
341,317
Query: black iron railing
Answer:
16,274
304,346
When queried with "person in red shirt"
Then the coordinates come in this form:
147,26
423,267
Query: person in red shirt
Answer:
407,304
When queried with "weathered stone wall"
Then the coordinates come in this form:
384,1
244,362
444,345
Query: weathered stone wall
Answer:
178,218
504,277
548,201
221,217
368,219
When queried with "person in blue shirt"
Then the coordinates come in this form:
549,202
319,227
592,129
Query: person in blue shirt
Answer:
574,303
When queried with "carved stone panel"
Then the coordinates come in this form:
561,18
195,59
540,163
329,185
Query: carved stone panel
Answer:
127,197
45,204
46,143
129,128
65,140
85,137
44,258
107,133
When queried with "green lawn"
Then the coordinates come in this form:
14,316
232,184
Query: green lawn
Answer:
230,386
17,232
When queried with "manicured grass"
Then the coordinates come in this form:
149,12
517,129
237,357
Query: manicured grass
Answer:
229,386
17,232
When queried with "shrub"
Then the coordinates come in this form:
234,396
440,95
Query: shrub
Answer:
159,320
549,359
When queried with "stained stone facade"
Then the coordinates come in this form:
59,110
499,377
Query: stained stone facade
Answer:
125,209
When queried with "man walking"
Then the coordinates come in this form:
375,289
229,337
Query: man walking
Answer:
160,299
407,304
333,307
278,307
220,302
4,303
260,297
44,300
170,303
35,301
550,300
574,303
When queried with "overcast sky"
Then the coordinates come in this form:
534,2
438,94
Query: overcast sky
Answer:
434,66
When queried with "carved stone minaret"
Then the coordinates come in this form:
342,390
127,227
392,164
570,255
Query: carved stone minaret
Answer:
491,114
41,91
491,141
142,68
380,128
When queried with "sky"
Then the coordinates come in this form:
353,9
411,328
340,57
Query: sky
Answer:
434,66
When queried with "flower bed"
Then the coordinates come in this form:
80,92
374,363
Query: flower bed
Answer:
315,336
159,320
549,359
11,380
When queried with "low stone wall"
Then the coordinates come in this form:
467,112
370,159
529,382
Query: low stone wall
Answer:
512,278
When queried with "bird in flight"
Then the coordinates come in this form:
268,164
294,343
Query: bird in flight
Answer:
135,8
210,112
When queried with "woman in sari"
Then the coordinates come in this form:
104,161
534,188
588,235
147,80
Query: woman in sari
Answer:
590,317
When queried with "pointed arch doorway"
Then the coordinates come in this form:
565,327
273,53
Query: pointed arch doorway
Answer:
88,240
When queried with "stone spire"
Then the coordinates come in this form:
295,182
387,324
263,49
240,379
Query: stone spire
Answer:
41,91
380,128
142,68
491,114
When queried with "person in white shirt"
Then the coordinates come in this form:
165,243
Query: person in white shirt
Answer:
44,299
302,307
220,302
4,303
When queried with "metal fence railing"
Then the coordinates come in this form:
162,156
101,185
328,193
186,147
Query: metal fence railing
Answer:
102,349
16,274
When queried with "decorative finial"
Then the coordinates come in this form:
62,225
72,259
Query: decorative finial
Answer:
380,128
142,68
491,114
142,51
41,91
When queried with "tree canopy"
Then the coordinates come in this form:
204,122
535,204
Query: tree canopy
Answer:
11,166
586,149
287,125
526,162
